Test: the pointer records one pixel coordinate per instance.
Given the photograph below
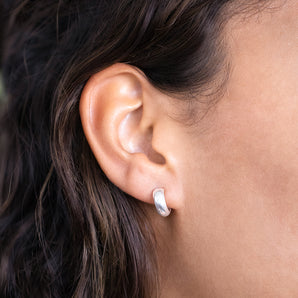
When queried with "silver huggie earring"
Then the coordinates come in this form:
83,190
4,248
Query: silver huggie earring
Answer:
160,202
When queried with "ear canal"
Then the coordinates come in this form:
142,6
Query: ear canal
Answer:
136,139
152,154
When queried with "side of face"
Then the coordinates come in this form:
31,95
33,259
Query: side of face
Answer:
240,172
231,178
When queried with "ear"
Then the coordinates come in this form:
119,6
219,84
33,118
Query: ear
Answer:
124,120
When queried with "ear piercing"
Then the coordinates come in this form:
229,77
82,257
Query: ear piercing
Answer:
160,202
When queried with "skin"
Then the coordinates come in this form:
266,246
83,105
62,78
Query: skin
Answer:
231,178
237,235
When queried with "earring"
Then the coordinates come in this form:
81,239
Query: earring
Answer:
160,202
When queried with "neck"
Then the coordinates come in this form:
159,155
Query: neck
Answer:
264,264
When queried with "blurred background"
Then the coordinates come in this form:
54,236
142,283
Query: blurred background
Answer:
2,28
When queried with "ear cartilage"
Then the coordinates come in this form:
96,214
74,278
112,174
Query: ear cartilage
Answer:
160,202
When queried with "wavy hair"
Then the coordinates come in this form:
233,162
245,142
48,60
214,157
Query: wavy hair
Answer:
65,229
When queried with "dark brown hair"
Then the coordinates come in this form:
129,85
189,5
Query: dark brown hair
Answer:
65,229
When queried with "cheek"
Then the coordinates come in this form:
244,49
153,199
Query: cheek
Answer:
255,144
241,169
247,155
241,184
251,144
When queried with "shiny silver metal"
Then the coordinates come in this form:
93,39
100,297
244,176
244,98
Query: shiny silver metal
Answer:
160,202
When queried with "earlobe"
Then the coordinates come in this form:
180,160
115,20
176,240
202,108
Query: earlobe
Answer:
119,123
